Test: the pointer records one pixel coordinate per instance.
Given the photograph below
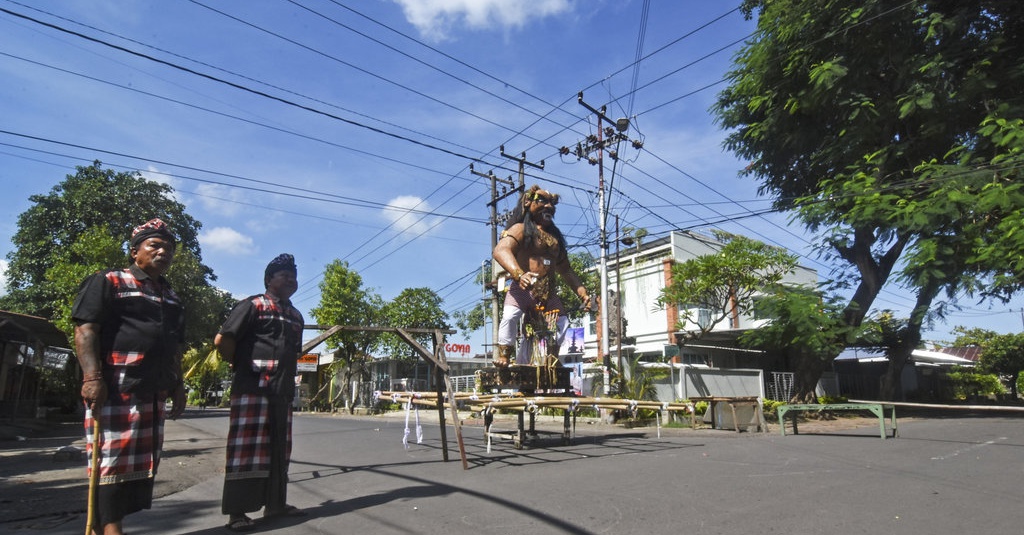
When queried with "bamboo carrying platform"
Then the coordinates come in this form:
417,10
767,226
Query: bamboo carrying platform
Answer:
489,404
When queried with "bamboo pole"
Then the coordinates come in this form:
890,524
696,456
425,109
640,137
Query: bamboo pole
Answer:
94,475
518,402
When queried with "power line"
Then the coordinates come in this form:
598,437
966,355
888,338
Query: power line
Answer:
245,88
306,194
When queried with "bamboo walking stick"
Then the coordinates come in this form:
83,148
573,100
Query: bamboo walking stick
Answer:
94,475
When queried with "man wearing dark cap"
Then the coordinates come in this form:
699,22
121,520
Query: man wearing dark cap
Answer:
262,339
128,334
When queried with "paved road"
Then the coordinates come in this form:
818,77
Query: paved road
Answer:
943,475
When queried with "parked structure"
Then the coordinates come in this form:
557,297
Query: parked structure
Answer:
29,346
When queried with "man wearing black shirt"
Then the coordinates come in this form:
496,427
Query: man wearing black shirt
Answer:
262,339
128,334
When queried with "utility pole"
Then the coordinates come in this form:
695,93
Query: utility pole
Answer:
618,308
494,223
521,160
605,137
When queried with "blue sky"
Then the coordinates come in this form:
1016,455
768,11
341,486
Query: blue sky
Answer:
345,130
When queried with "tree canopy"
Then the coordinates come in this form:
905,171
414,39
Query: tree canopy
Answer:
83,226
91,198
345,301
726,282
413,308
806,327
895,132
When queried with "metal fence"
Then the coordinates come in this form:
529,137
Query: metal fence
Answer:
780,386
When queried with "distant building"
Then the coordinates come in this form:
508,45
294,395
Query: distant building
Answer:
859,372
639,275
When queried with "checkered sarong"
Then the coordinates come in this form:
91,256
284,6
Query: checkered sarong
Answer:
250,435
131,437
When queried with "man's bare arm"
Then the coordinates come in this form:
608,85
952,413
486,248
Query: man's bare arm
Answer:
87,349
505,254
564,269
226,345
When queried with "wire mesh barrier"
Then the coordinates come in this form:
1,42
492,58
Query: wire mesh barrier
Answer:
780,386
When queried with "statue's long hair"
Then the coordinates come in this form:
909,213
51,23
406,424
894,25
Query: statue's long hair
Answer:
522,215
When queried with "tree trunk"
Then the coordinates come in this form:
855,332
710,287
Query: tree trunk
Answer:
873,273
891,387
807,372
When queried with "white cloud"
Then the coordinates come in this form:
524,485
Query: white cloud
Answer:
223,200
227,240
407,222
434,18
155,175
3,277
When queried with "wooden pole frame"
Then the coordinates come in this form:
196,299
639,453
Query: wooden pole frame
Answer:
437,358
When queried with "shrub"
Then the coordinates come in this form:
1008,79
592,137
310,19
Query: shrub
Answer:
769,405
965,383
196,398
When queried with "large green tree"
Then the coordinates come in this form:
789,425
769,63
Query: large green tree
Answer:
94,250
345,301
806,327
884,127
83,226
725,282
418,308
91,198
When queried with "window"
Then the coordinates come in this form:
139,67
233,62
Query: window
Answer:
693,358
703,316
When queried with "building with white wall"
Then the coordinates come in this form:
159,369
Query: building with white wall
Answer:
640,272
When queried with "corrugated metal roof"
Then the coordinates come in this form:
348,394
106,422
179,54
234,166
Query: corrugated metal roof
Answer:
31,330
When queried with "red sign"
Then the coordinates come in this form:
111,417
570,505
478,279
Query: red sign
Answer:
307,363
462,349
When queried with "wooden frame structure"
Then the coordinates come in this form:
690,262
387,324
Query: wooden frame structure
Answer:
436,357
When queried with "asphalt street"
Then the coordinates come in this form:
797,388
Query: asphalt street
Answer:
957,474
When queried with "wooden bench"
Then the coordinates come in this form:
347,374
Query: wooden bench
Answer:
716,403
878,409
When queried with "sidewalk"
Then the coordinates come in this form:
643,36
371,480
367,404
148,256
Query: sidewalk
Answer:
43,470
42,465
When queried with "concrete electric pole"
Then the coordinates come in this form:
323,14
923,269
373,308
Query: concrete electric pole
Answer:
596,143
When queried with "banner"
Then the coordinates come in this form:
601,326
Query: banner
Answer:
307,363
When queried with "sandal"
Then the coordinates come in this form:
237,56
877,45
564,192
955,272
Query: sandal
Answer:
240,524
289,510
